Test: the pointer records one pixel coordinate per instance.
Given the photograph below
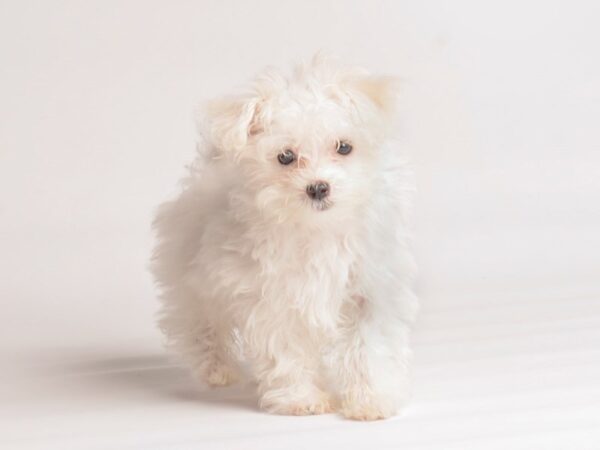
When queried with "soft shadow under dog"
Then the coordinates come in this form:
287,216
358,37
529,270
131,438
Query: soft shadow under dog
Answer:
150,376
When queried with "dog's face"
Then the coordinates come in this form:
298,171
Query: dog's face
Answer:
307,147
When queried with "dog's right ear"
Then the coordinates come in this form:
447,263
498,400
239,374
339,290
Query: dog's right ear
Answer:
232,121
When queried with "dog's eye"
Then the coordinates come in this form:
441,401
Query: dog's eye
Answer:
286,157
343,148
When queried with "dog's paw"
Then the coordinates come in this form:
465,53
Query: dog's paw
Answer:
218,375
365,406
320,405
221,376
367,411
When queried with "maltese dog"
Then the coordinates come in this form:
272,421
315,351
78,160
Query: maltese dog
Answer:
285,259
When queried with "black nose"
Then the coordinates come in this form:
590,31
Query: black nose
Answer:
318,191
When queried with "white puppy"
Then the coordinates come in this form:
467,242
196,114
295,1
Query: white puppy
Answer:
288,247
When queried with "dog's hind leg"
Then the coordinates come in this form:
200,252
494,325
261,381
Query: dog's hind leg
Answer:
209,357
201,337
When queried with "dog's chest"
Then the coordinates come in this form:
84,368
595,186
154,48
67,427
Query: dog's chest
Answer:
308,273
287,272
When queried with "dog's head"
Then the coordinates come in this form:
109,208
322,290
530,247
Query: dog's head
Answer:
306,144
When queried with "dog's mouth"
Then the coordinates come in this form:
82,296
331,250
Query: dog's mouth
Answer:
321,205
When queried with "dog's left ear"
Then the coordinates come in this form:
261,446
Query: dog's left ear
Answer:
232,121
380,91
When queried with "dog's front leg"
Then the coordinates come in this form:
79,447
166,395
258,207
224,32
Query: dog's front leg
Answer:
286,366
370,360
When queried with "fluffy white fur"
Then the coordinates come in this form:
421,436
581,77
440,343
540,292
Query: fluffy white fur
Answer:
313,296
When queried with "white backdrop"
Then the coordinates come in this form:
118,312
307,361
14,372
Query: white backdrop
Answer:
501,109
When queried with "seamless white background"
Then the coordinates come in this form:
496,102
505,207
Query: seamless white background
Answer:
501,112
